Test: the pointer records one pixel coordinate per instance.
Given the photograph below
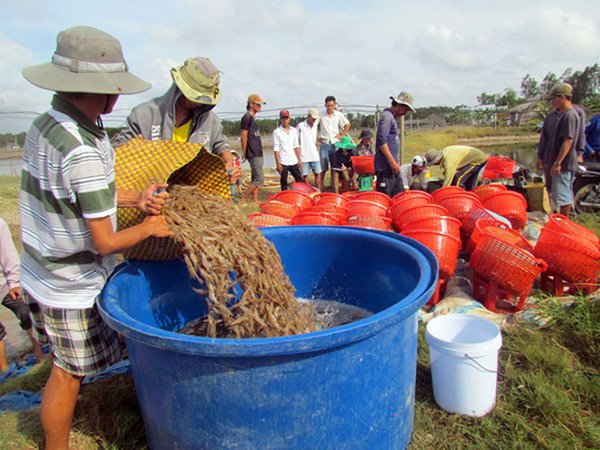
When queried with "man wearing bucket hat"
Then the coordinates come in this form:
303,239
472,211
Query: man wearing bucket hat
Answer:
341,165
459,163
307,135
68,215
185,112
413,174
556,148
387,168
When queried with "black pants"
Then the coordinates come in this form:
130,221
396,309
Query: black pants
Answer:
389,183
285,170
466,177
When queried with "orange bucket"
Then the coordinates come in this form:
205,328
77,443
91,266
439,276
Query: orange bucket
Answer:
458,205
300,199
444,246
363,164
445,192
486,190
510,205
305,218
373,222
417,212
280,209
329,198
443,224
374,196
268,220
366,208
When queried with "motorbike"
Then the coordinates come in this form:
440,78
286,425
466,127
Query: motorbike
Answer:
586,188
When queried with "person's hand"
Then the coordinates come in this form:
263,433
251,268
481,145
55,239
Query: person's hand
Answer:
15,293
159,226
153,198
300,165
555,170
395,167
580,159
234,174
279,168
538,164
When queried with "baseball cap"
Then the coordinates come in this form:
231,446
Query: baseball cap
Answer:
284,113
561,89
255,98
313,112
404,98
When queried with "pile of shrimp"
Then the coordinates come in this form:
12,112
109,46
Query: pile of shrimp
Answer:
225,253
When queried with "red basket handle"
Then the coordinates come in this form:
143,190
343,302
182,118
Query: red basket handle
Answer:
543,265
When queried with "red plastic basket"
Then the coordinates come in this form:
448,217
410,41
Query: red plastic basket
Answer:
268,220
445,192
473,215
404,217
575,259
499,230
329,198
486,190
458,205
366,208
363,164
444,224
444,246
335,211
277,208
304,187
398,208
300,199
405,196
509,204
315,219
350,194
510,267
374,196
561,224
374,222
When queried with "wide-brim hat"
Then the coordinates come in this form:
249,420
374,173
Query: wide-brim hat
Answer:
404,98
365,134
433,156
198,80
345,143
86,60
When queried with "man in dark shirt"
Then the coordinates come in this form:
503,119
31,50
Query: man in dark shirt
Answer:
556,148
387,167
252,146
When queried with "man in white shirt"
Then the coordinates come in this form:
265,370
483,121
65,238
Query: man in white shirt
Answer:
287,150
332,127
414,173
307,134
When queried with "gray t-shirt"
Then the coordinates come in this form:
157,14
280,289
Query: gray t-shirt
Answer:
557,127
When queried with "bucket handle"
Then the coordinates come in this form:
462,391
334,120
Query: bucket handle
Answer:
487,370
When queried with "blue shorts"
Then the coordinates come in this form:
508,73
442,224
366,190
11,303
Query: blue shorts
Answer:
562,189
314,166
326,151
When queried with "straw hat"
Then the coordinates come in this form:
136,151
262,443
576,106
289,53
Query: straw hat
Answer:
86,60
433,156
198,80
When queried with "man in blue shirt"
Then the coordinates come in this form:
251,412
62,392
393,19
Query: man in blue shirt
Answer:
387,167
592,139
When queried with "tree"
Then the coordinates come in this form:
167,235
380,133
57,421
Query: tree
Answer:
586,84
488,99
508,98
529,87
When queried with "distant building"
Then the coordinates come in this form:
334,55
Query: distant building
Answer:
525,112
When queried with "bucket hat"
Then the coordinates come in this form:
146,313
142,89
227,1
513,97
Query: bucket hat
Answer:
404,98
561,89
198,80
86,60
433,156
364,134
345,143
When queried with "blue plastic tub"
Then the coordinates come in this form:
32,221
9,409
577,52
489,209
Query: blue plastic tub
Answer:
348,387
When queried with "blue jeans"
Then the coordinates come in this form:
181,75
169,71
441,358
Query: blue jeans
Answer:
327,151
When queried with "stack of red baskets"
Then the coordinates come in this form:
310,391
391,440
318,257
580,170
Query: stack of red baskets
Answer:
573,256
485,190
369,210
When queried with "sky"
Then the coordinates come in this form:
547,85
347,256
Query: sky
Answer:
294,53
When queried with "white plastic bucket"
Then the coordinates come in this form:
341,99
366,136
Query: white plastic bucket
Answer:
464,362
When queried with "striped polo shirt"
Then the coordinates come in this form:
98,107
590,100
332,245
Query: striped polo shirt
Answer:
67,177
